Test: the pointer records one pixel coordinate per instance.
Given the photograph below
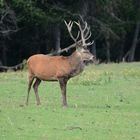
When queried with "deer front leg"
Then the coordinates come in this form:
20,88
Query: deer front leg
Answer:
63,85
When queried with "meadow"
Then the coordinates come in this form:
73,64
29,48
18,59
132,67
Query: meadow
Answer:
103,104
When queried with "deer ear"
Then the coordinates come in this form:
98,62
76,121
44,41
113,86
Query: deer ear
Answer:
79,48
79,45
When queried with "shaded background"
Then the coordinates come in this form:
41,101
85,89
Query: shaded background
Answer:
29,27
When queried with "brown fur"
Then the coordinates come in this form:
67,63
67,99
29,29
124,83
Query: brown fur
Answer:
55,68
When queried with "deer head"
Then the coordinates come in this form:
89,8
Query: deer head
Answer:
81,44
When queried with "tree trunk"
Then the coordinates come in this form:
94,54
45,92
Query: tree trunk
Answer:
93,49
107,47
121,50
57,38
108,51
4,55
84,8
134,43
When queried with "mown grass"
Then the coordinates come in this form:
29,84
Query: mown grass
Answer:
104,104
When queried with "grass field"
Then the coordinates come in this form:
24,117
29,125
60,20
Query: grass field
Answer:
104,104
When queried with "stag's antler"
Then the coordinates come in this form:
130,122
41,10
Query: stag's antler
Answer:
69,27
85,33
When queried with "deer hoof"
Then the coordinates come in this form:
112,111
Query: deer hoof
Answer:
65,106
38,103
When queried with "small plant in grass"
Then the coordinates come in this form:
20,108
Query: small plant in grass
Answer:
131,73
93,77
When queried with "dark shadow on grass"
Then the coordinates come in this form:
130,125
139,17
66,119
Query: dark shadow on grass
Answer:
86,106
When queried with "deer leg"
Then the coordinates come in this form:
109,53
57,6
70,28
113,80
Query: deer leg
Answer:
29,87
63,84
35,86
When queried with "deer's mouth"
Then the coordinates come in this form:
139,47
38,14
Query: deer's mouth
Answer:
90,61
87,62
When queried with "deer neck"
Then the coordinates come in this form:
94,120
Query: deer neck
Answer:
76,63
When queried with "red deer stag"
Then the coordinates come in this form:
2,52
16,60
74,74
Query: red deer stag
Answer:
60,68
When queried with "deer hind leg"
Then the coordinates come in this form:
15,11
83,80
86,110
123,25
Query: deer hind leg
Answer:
35,86
63,84
31,79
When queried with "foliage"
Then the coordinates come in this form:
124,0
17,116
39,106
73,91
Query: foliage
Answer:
28,12
112,22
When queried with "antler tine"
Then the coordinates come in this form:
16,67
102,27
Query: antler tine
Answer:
88,31
85,27
66,22
69,22
81,18
85,33
78,35
82,32
90,43
69,27
85,23
87,37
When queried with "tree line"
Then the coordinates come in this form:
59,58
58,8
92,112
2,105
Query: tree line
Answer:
29,27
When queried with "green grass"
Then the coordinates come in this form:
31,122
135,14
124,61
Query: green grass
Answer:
104,104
